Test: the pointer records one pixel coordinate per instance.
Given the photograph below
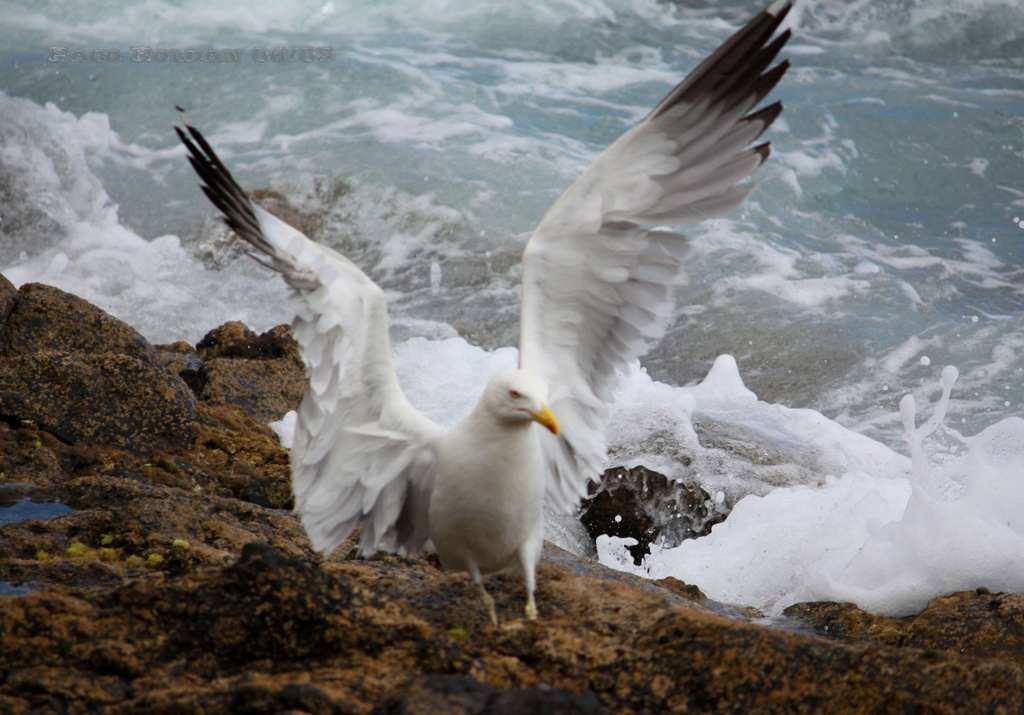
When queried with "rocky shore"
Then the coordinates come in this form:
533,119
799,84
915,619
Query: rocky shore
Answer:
180,582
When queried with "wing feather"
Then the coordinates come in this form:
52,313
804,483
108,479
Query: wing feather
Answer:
598,274
362,456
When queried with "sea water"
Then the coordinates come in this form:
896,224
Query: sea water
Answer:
885,240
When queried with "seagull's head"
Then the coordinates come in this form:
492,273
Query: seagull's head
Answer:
521,396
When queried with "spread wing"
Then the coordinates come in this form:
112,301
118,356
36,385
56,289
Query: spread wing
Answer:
598,275
362,456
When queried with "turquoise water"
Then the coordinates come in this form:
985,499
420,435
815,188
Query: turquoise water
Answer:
881,245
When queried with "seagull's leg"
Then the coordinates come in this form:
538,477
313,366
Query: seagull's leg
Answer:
531,605
488,601
529,554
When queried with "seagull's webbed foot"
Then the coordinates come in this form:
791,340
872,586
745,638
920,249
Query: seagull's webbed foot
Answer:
489,604
474,573
531,608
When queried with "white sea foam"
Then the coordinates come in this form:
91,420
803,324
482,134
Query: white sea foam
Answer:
875,536
156,285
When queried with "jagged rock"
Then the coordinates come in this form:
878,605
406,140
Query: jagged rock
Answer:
261,374
234,340
644,505
182,360
231,456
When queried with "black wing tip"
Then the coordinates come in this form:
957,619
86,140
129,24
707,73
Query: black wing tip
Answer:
765,150
218,184
780,40
767,115
750,48
770,78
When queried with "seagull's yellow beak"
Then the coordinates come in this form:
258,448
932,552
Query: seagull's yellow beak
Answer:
547,418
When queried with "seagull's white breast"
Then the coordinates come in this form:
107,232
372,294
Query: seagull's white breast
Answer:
488,495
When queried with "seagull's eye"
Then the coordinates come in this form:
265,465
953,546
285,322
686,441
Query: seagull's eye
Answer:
514,394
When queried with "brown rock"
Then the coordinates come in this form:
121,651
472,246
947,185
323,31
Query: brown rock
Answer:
47,318
261,374
975,624
84,376
8,297
263,389
277,630
463,694
234,340
111,399
184,599
179,583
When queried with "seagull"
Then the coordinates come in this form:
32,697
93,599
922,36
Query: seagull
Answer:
597,282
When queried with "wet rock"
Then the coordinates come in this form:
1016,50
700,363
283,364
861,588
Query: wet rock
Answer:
976,624
261,374
45,318
644,505
102,398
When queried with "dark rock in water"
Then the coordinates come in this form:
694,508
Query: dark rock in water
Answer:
644,505
262,374
45,318
101,398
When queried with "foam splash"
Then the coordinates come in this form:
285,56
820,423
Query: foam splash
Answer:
887,542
